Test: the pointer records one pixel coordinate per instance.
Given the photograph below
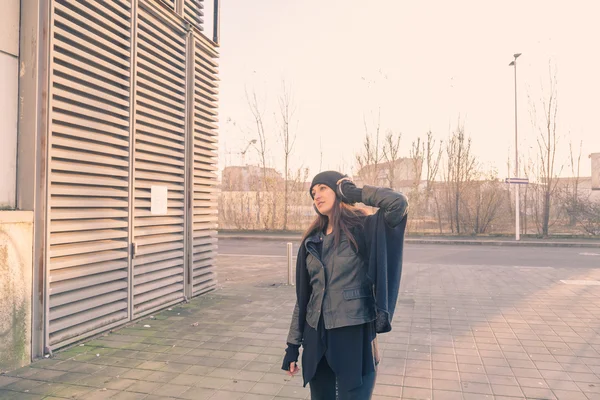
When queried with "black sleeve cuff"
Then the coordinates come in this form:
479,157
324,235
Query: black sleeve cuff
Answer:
291,355
353,194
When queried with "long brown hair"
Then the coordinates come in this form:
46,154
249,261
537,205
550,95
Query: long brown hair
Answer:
344,218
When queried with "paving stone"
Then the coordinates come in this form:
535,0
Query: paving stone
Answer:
266,388
196,393
73,392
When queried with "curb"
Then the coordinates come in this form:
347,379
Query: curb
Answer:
459,242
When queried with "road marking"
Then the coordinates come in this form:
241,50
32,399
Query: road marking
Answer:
251,255
589,254
581,282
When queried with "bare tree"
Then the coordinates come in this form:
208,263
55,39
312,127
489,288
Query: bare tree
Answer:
571,191
370,158
257,114
288,138
461,168
391,150
482,201
547,142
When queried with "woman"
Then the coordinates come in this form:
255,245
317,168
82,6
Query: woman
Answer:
347,280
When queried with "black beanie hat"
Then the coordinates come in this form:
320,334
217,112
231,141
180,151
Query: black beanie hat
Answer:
327,178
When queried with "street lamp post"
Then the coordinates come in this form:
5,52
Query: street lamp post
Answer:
517,206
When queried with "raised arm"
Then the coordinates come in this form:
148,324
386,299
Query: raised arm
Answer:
393,204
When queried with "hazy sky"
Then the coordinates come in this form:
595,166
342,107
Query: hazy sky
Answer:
425,64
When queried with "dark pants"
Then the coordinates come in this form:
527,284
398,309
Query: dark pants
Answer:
323,386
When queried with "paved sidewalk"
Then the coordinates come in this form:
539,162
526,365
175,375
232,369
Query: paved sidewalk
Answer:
460,332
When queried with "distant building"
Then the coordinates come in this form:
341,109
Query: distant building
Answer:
595,171
399,174
249,178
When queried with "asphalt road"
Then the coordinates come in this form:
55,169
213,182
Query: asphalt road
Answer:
443,254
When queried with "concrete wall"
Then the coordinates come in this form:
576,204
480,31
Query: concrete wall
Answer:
16,235
9,67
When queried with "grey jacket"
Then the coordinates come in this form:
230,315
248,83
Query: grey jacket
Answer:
347,297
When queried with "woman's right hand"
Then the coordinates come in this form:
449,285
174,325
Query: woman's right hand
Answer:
294,369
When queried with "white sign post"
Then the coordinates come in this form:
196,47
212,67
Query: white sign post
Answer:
517,181
158,200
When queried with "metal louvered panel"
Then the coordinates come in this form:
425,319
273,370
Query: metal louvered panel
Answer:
204,158
88,161
159,149
193,11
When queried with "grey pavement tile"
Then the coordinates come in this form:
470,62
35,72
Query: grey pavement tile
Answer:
252,396
447,395
212,382
387,390
94,381
585,378
507,390
258,366
185,380
200,370
119,383
152,365
129,396
589,388
294,392
441,357
48,388
137,374
410,381
176,367
249,375
241,356
144,387
506,371
532,382
476,387
569,395
21,385
567,385
234,364
526,373
555,375
49,375
445,366
225,395
10,395
447,375
538,393
279,377
238,386
224,373
7,380
418,373
112,371
416,393
74,392
266,388
170,390
101,394
385,379
196,393
161,376
70,377
474,378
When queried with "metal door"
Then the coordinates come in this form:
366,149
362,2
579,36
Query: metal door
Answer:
87,267
159,152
